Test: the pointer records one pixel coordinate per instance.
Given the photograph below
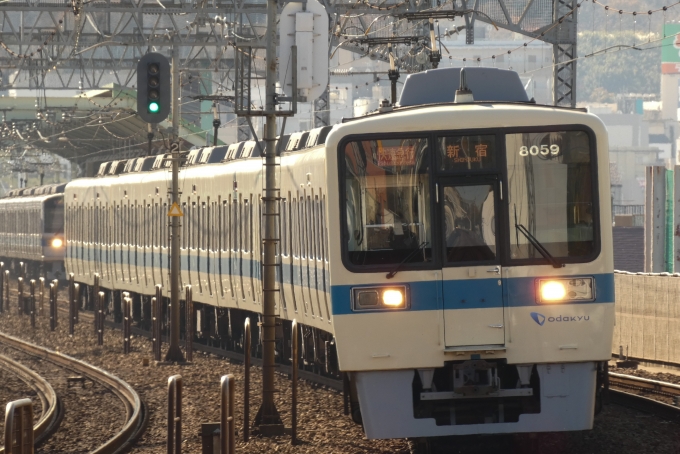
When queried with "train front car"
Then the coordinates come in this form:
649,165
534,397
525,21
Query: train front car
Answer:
32,230
475,293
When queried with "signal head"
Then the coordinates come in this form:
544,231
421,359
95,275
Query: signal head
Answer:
153,88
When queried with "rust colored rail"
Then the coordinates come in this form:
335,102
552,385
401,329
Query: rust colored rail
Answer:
52,411
644,384
136,414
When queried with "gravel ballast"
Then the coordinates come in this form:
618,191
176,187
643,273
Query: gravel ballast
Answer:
322,428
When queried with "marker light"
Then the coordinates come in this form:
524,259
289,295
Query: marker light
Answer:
57,242
552,291
393,298
154,107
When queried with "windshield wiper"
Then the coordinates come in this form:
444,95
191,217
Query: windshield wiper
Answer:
393,273
535,243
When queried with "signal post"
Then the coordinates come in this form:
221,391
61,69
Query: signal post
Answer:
155,97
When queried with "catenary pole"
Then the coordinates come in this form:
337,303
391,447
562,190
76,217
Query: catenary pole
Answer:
268,415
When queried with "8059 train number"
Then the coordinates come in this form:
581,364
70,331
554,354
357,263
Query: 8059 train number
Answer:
543,150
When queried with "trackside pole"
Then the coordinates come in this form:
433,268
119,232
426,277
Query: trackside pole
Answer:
127,320
100,318
42,297
19,427
246,379
227,423
95,291
174,442
2,286
174,352
20,295
72,309
294,376
268,418
156,328
32,302
53,307
189,328
7,288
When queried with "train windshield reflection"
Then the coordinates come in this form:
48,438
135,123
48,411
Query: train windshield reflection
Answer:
550,180
388,201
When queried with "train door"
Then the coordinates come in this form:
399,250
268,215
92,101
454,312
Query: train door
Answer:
472,285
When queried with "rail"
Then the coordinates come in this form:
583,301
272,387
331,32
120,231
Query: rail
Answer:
52,411
136,414
642,403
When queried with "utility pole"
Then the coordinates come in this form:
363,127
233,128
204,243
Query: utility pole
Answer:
268,417
174,352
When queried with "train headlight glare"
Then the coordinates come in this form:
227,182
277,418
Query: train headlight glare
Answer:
393,298
552,291
57,242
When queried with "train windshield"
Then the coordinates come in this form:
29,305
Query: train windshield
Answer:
387,189
550,180
54,215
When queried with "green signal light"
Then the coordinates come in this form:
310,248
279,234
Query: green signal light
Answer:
154,107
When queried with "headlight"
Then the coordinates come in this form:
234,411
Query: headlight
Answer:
553,291
561,290
57,243
393,298
380,298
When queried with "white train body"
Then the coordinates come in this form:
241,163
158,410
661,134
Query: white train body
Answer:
32,228
470,348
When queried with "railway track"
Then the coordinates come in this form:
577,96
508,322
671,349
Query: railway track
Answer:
52,411
641,402
321,380
136,414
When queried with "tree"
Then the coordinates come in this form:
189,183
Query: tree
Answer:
610,65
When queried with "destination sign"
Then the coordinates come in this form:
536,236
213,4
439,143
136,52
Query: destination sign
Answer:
465,153
400,155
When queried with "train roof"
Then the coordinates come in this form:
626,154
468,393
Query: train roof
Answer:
212,155
37,190
440,85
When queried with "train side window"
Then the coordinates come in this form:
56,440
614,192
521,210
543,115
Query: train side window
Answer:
284,228
97,225
224,228
205,226
154,232
185,224
192,226
148,225
234,225
165,225
324,228
116,217
308,229
248,227
129,220
158,226
209,224
295,229
317,227
303,230
135,224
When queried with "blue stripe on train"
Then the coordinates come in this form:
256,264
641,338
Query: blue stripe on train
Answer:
427,295
424,295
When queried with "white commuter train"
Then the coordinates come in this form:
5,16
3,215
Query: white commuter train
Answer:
32,230
459,254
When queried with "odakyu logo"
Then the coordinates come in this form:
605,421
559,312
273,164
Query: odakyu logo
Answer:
541,319
538,318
